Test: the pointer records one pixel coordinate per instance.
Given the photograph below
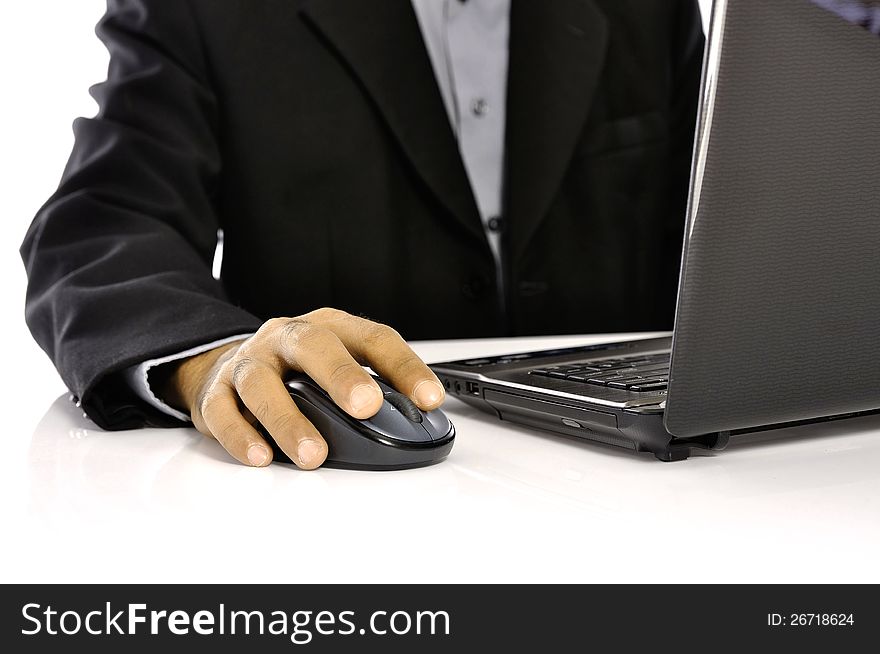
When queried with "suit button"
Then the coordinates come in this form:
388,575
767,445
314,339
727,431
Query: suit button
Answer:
474,287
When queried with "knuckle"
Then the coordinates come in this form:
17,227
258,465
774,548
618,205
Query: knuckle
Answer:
266,333
249,348
408,365
227,432
283,422
343,370
263,412
327,314
295,331
377,335
243,372
273,324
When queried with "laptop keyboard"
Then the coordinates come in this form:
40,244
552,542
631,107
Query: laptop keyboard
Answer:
639,374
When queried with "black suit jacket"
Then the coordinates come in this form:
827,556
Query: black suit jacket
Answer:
313,133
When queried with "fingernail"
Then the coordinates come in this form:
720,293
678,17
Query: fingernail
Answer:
428,392
310,453
257,455
362,396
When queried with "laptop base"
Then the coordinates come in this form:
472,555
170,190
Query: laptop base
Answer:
637,429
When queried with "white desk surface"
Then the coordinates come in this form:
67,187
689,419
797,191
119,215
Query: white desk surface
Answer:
509,504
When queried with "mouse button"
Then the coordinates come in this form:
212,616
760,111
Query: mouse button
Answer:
392,423
440,425
405,405
384,385
344,443
303,385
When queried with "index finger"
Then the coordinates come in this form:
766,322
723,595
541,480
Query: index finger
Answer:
385,351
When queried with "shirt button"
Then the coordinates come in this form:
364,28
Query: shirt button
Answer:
495,224
479,107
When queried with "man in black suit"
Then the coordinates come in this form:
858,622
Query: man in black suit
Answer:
323,140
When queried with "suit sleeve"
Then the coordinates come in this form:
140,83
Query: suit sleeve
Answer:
119,259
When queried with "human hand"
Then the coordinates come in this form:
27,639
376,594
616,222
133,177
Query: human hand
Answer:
228,389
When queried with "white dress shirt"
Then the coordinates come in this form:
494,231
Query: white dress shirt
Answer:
468,46
467,42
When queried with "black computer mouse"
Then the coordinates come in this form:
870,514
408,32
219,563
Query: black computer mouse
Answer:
399,436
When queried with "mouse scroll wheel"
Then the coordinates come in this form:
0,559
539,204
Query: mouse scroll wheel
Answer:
405,405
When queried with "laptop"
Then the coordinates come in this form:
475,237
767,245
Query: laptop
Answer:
778,312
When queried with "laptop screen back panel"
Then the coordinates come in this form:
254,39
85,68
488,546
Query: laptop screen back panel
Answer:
778,315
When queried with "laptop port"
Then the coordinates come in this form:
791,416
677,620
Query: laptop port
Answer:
473,388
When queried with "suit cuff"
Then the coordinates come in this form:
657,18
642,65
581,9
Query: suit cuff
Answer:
138,377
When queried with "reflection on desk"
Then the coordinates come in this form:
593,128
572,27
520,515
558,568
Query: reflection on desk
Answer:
509,504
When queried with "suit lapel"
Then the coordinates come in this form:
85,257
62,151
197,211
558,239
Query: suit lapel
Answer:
557,51
381,43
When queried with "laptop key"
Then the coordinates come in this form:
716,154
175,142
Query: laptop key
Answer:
649,387
607,381
651,370
548,371
622,383
640,371
645,381
610,375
